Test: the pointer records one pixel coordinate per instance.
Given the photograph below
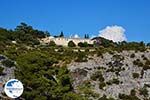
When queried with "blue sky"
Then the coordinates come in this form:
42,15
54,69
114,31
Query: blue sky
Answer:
79,16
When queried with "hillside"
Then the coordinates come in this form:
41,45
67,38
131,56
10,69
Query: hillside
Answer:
102,71
115,75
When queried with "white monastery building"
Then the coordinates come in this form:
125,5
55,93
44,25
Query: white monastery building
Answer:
64,41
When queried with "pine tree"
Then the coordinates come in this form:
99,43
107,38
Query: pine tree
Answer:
61,34
85,36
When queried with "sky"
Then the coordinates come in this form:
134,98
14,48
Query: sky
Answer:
79,16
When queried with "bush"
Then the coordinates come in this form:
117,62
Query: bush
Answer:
138,63
72,96
71,44
147,62
81,57
145,67
102,85
52,43
135,75
1,70
144,92
81,44
148,44
38,66
104,97
8,63
117,58
128,97
115,81
145,58
132,55
98,75
133,92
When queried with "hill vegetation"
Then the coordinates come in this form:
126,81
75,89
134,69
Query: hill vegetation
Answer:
43,69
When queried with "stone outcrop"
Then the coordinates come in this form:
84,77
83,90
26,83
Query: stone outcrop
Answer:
118,66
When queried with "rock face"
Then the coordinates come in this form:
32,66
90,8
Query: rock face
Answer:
120,73
7,73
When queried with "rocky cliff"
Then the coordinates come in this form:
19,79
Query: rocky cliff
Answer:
114,75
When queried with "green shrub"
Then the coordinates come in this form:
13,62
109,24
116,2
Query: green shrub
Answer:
118,58
115,81
8,63
138,63
133,92
109,83
71,44
147,62
102,85
72,96
88,92
52,43
147,85
1,70
104,97
132,55
144,92
98,75
48,80
83,44
135,75
145,58
146,65
81,57
128,97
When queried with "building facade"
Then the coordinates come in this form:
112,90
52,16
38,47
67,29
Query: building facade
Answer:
64,41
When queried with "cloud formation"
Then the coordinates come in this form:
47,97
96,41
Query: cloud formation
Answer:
114,33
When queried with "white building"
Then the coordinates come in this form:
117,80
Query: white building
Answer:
64,41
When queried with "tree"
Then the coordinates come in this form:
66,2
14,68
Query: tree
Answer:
98,75
8,63
135,75
144,92
61,34
128,97
72,96
86,36
81,44
133,92
71,44
47,33
102,85
81,57
24,28
27,35
148,44
1,70
48,81
132,55
52,43
104,97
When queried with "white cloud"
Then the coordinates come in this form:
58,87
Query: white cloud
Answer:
114,33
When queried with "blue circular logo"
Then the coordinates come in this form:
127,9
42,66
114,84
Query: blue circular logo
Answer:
13,88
